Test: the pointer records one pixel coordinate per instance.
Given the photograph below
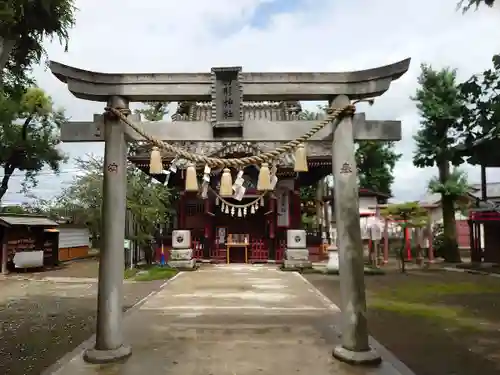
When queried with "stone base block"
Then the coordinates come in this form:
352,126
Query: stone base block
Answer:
181,258
96,356
297,258
182,264
293,264
333,259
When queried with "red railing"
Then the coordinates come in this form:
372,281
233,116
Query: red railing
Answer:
197,247
280,251
258,251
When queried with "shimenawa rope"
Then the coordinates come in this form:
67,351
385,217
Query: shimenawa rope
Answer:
335,116
246,205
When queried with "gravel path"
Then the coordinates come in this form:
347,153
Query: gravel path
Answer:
43,320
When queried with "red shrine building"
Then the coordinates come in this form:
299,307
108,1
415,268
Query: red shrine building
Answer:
259,221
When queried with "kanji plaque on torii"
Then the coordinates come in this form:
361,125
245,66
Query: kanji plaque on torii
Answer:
227,89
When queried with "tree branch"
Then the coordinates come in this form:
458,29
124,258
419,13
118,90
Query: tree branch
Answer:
4,186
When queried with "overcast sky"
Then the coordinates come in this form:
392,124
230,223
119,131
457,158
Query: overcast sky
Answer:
274,35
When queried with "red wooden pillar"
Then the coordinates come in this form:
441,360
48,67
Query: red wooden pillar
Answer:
272,227
272,216
386,241
207,232
295,205
208,220
408,243
182,211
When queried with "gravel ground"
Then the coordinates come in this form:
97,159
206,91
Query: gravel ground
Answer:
43,320
436,322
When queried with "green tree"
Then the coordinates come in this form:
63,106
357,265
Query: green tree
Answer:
154,111
29,137
406,215
375,160
25,24
440,107
481,115
148,202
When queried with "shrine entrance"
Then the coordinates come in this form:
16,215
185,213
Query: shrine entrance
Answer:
251,108
241,228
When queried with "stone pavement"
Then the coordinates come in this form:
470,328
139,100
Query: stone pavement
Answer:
231,320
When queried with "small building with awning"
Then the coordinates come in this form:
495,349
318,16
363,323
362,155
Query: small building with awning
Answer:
28,241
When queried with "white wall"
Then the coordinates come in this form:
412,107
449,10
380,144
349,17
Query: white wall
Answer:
436,215
73,237
367,204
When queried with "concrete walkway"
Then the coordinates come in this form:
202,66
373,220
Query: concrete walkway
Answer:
230,320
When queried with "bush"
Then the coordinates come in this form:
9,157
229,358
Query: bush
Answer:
438,240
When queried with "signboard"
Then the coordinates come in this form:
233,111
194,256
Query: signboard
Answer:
227,95
28,259
283,208
221,235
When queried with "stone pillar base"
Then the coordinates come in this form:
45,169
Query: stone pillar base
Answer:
333,259
96,356
366,358
181,259
297,258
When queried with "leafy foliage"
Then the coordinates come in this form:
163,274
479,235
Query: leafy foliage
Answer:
28,23
148,202
375,160
455,186
438,239
466,5
409,214
154,111
29,136
441,106
481,115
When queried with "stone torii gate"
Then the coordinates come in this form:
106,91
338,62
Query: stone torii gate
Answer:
226,89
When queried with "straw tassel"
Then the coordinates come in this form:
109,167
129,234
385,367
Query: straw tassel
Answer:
155,162
191,179
264,182
300,159
226,184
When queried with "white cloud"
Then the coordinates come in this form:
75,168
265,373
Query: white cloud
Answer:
321,35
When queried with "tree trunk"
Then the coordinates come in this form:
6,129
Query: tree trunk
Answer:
402,251
4,185
450,245
14,160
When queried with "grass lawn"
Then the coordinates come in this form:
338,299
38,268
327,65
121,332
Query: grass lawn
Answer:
150,274
436,322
